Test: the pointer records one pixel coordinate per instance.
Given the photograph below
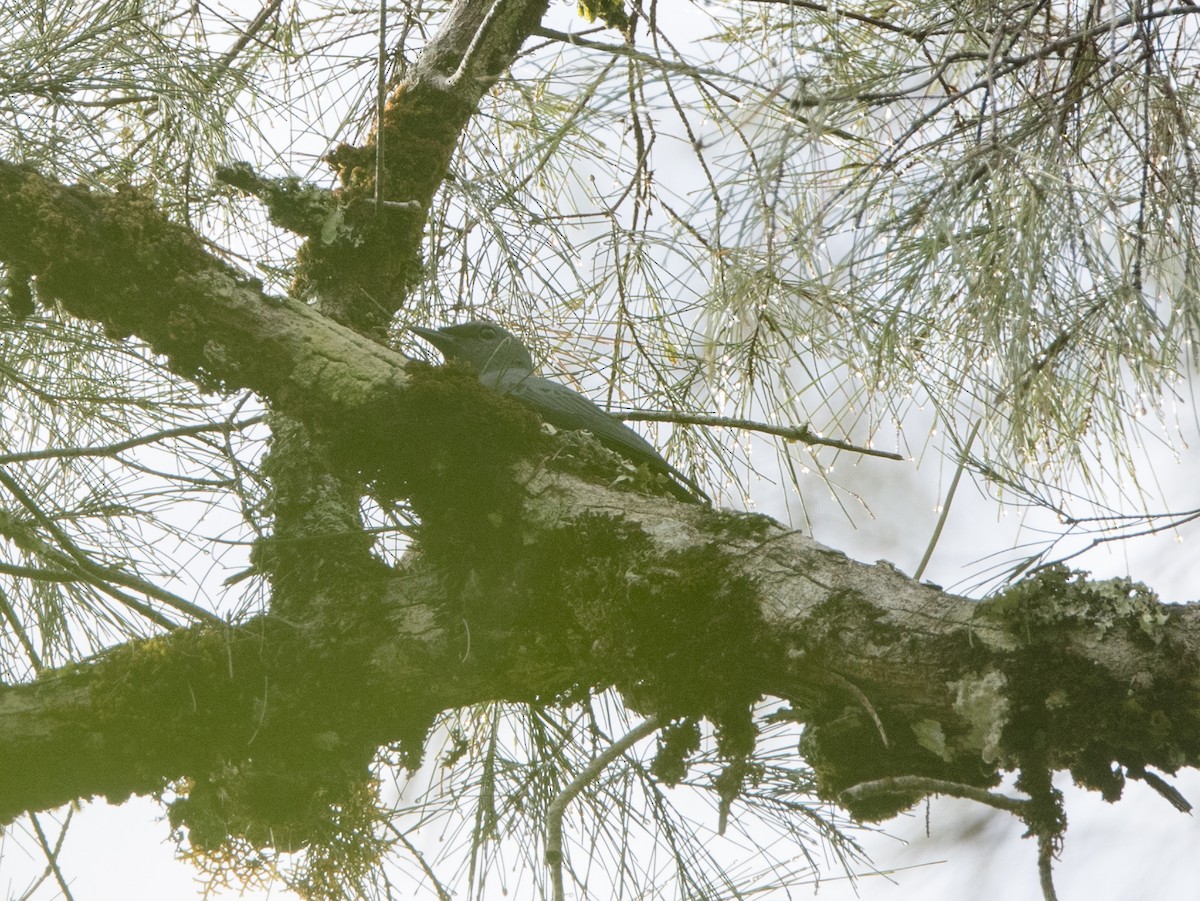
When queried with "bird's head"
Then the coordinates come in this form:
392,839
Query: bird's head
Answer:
483,345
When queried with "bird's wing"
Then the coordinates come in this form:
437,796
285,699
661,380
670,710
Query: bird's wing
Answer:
566,409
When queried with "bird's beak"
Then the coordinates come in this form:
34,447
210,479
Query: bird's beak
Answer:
433,336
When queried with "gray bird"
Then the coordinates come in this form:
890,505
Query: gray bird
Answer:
505,366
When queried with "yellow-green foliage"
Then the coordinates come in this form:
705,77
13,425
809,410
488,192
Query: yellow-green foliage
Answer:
611,12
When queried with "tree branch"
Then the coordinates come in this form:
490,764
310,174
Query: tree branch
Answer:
558,807
800,433
963,688
113,259
364,275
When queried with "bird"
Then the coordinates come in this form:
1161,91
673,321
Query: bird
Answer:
506,367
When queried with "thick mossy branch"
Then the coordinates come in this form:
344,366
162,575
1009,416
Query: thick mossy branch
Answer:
362,270
114,259
1060,673
678,633
893,680
268,698
298,206
1078,709
107,728
452,449
84,247
262,727
318,544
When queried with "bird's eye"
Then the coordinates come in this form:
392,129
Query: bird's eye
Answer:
487,333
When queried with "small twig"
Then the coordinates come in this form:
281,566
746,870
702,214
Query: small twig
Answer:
554,813
38,573
863,700
901,785
1169,793
791,433
18,628
937,530
399,204
262,711
52,853
917,34
697,72
1046,867
442,892
468,57
101,576
246,36
1022,809
380,102
111,450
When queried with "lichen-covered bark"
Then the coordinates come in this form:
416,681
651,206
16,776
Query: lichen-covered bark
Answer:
688,613
113,259
363,273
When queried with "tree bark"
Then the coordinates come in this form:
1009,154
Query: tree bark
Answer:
689,612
